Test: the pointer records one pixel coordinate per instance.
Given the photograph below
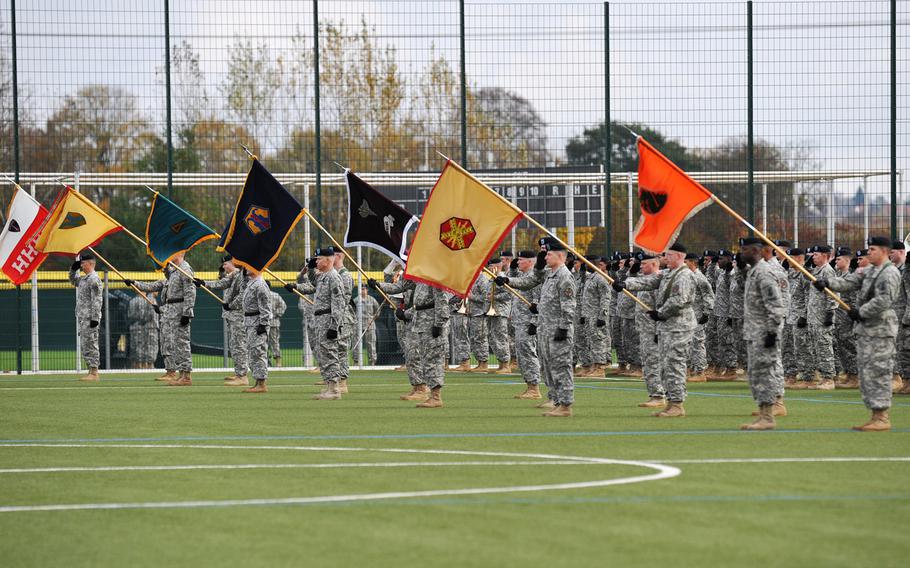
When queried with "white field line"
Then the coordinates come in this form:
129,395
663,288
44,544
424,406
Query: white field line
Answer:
87,388
788,460
661,472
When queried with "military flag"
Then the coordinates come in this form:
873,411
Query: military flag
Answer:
463,224
263,218
171,230
374,220
668,198
18,255
73,224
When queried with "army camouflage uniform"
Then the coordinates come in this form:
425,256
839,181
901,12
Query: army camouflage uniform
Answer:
522,318
430,308
498,325
350,318
307,321
675,298
627,309
616,321
143,332
233,285
764,313
368,308
722,330
903,337
649,339
595,310
820,308
329,313
844,339
278,308
704,305
407,332
89,296
737,356
581,353
181,299
878,287
478,305
711,339
257,311
799,295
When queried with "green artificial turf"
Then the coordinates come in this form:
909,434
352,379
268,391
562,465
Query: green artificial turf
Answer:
785,513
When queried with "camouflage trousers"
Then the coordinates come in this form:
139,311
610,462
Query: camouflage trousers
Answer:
764,370
650,360
329,353
526,353
429,361
275,341
673,347
726,333
873,358
237,334
461,344
88,342
630,341
902,348
143,343
368,342
176,350
788,351
477,333
257,352
498,331
698,354
347,329
711,341
581,354
595,341
802,346
616,338
309,334
512,339
821,340
739,342
407,336
556,365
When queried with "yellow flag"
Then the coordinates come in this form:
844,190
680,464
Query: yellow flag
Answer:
74,224
463,223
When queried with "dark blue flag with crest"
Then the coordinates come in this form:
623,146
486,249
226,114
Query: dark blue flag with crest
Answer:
263,218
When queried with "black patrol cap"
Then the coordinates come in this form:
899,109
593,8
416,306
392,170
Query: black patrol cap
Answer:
678,247
844,251
750,241
796,251
494,260
643,256
545,240
783,243
862,252
227,258
691,256
625,255
555,245
85,255
325,251
709,253
506,254
880,242
527,254
725,252
897,245
824,249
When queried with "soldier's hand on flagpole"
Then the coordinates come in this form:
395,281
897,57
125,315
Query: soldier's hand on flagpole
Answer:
655,315
372,284
820,284
561,334
184,321
854,315
618,286
501,280
198,282
129,282
533,309
93,323
331,334
225,306
290,287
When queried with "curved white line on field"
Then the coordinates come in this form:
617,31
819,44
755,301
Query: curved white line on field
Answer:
662,472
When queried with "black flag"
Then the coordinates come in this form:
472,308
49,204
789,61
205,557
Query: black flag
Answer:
374,220
262,220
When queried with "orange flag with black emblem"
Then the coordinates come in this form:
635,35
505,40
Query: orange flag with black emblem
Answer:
668,198
463,223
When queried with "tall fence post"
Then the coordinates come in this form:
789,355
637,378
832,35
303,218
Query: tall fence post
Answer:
167,95
894,199
318,117
16,165
464,86
865,212
750,189
796,214
607,217
107,321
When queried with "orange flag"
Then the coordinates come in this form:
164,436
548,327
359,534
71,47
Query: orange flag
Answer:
668,197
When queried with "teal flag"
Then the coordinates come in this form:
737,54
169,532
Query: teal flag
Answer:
171,230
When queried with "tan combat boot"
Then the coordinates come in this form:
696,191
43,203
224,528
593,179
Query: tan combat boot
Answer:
547,404
654,402
852,382
880,422
583,371
696,378
722,374
559,411
238,381
434,401
92,376
765,420
905,390
481,367
897,383
636,371
778,409
184,380
259,387
278,362
402,368
167,377
531,393
789,381
824,385
343,386
419,392
463,367
673,410
329,392
504,369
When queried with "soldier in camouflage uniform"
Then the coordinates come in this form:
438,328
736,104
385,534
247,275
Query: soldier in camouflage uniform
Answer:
820,308
498,325
479,302
627,309
876,328
143,332
391,274
764,313
89,296
330,305
524,319
616,273
796,367
737,355
722,321
278,308
898,257
257,314
306,313
844,340
368,308
176,315
347,328
648,336
704,305
675,315
594,333
903,337
233,283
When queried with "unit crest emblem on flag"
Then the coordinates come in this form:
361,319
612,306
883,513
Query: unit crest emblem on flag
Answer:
14,226
257,220
651,201
457,233
72,220
178,226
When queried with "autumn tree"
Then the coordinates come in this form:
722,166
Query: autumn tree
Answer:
504,130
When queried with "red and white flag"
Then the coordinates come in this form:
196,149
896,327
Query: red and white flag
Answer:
18,255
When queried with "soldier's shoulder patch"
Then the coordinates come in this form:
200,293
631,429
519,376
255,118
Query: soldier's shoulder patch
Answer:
569,292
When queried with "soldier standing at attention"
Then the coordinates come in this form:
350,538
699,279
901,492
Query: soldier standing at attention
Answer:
479,303
329,313
233,283
796,370
648,336
820,308
143,331
704,305
88,311
257,313
306,313
845,342
347,328
763,316
498,325
627,309
875,327
524,318
898,256
279,306
368,307
175,321
675,315
722,329
595,307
